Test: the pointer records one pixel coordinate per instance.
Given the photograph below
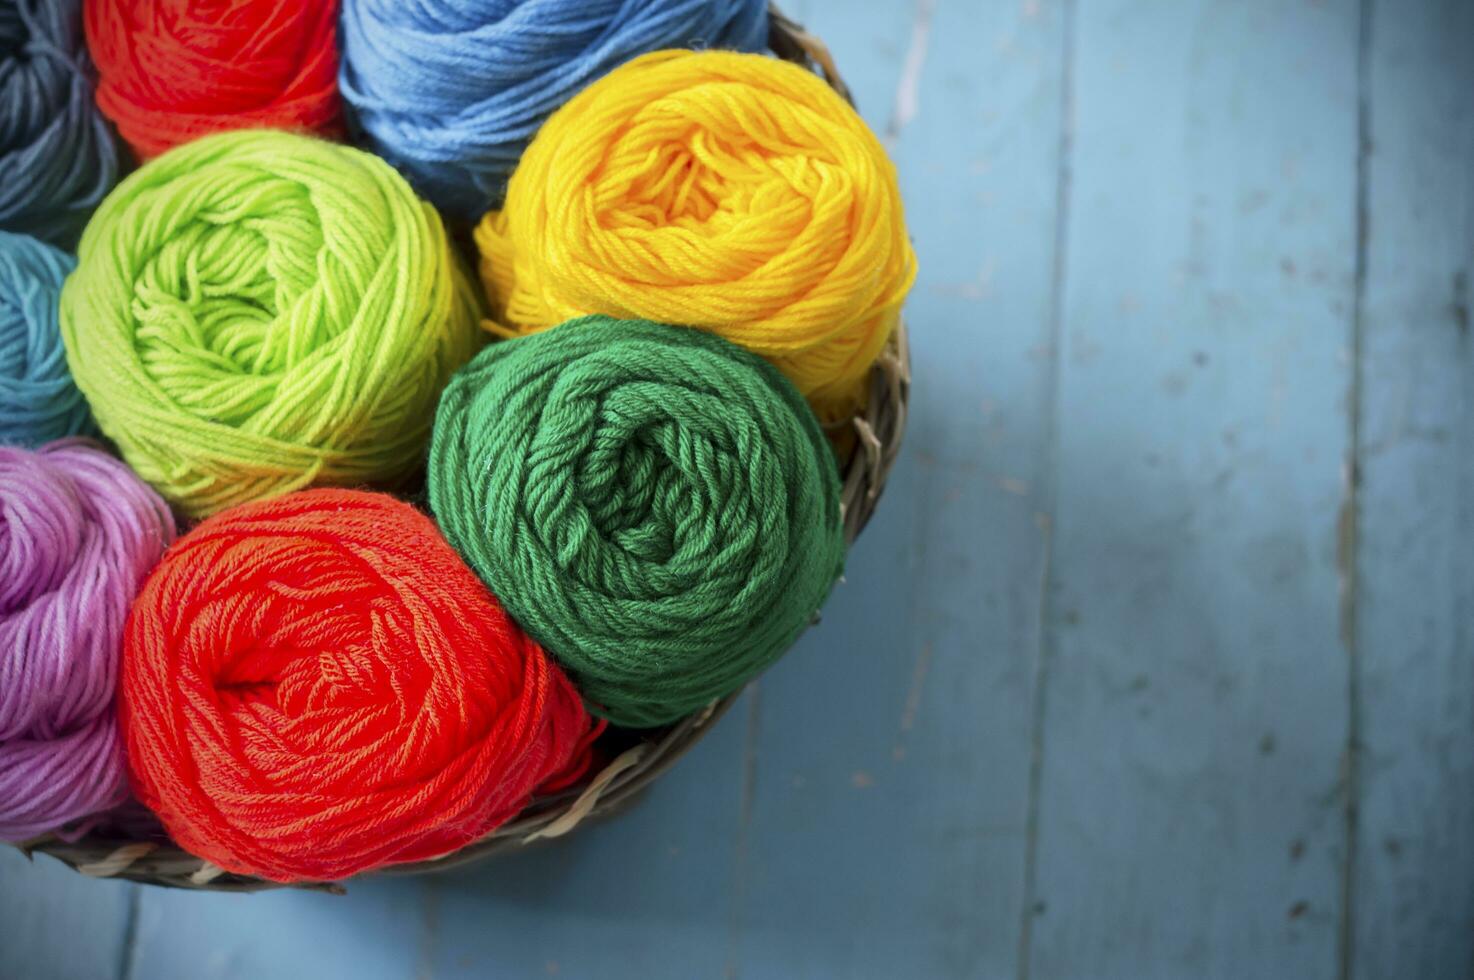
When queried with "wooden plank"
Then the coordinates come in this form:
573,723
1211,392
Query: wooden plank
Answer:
891,748
376,930
1414,883
1191,821
636,896
56,924
646,893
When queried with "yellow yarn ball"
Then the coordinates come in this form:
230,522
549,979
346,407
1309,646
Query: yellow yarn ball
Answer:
731,192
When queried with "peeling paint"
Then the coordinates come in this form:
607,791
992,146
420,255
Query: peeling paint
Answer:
908,90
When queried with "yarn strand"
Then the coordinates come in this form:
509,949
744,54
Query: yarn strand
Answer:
315,686
450,92
174,70
656,506
730,192
256,312
78,533
39,401
57,155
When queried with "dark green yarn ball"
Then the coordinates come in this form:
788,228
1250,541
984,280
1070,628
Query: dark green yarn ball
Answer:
656,506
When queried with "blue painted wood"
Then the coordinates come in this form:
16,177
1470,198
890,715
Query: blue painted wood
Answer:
648,893
891,749
1191,820
57,925
377,931
1135,339
1414,882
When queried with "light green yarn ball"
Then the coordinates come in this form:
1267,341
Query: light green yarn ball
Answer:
256,312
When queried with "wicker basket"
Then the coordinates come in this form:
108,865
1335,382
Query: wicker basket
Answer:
871,448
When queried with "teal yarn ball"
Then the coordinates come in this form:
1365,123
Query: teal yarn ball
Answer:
39,401
656,506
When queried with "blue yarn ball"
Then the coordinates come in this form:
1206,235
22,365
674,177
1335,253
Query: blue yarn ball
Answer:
451,91
57,154
39,401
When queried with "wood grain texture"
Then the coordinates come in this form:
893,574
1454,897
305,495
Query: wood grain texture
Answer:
1191,805
1082,707
892,746
1413,887
647,893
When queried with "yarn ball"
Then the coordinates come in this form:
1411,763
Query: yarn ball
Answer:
257,311
732,192
451,92
57,155
315,686
39,401
78,533
170,71
654,505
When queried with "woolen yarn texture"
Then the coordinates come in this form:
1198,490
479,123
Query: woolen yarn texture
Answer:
57,155
256,312
315,686
656,506
39,401
450,91
731,192
78,533
174,70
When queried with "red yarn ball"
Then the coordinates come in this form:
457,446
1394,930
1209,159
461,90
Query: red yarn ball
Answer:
316,686
173,70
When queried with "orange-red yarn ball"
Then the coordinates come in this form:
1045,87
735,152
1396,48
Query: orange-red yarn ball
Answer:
169,71
315,686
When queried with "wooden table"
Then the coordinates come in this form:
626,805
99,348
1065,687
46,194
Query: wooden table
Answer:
1158,660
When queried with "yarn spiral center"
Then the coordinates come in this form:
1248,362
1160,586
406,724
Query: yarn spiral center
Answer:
731,191
653,504
665,475
255,311
235,301
315,685
727,192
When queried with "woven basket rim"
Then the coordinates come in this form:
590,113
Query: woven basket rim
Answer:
876,442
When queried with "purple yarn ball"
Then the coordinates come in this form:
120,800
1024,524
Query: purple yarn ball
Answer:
79,532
